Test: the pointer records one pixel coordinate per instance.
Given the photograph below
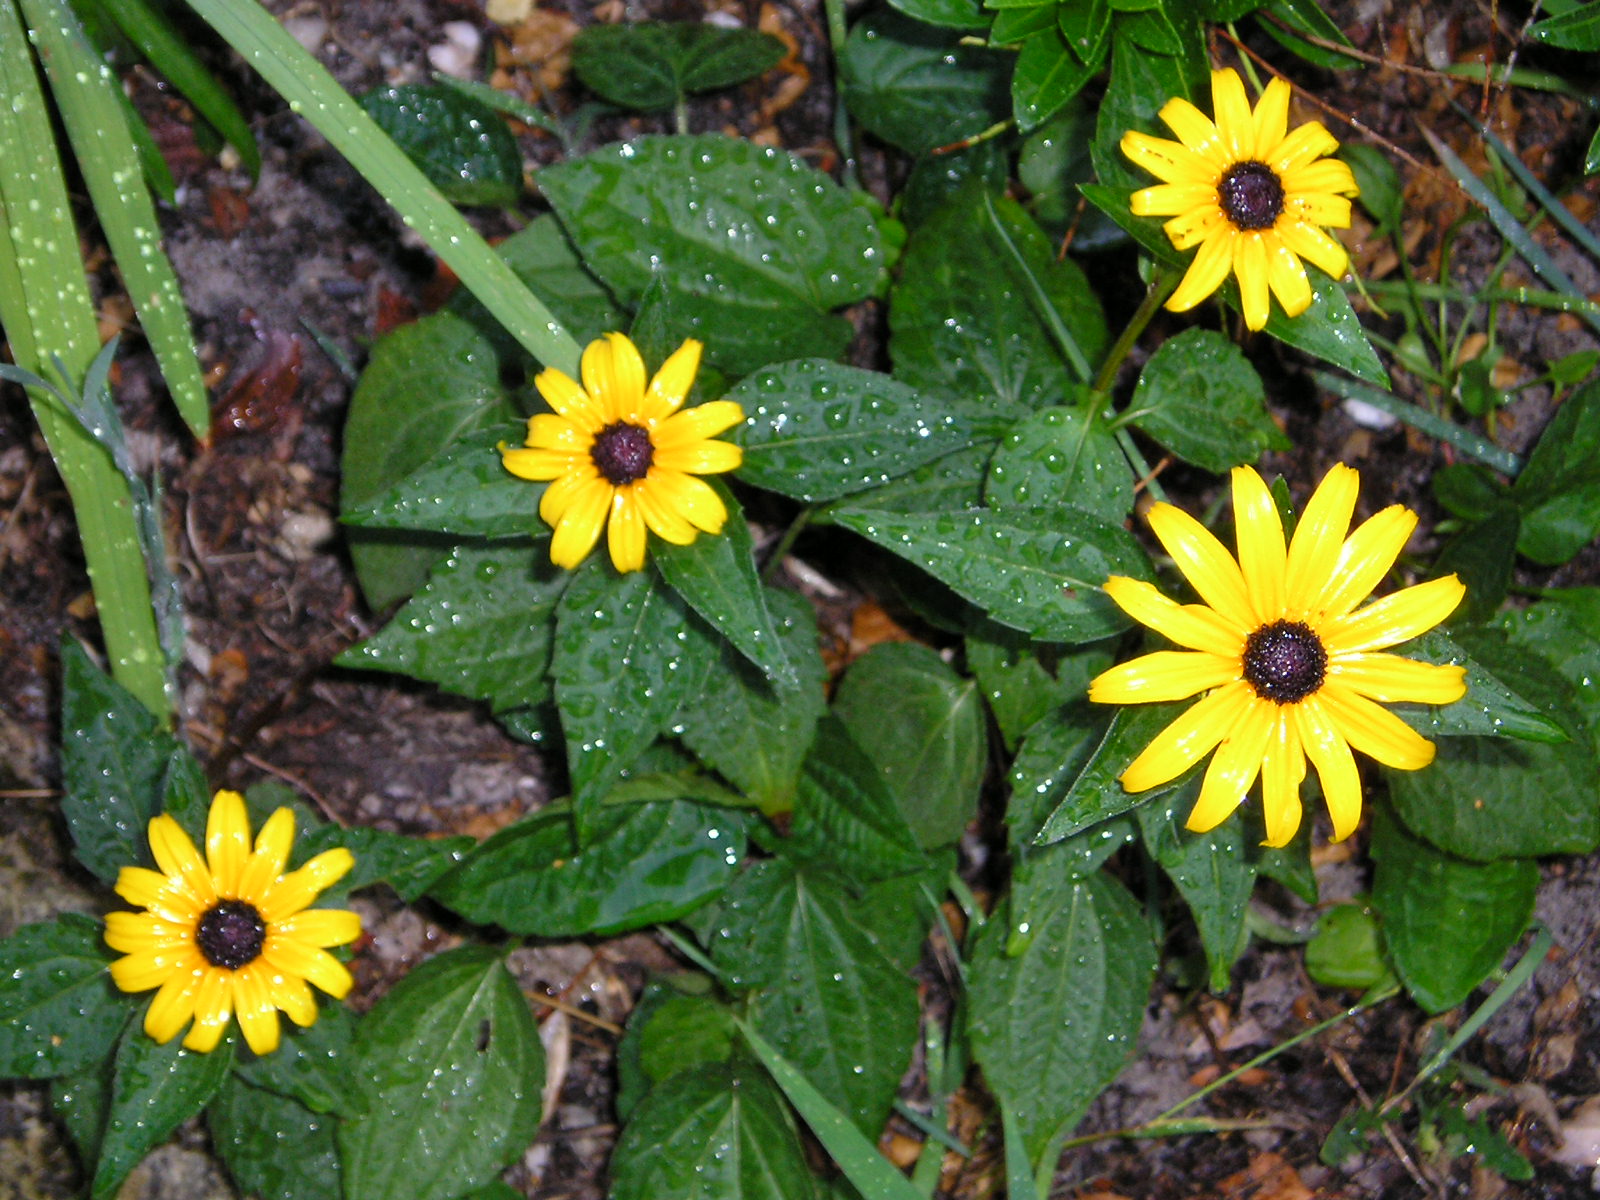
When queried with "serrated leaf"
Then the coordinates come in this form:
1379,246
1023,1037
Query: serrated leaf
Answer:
480,627
1053,1020
1307,17
827,994
817,430
1447,922
1501,700
1140,84
947,484
311,1066
154,1089
949,14
652,63
645,863
916,86
1576,29
461,144
920,724
407,864
683,1032
721,1132
1211,871
464,490
1200,398
425,386
1050,71
757,735
1564,628
1039,570
451,1066
1059,456
964,319
58,1010
716,575
1558,490
755,247
250,1128
1096,794
846,816
113,761
1023,682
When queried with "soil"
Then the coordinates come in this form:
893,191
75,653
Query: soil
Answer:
291,277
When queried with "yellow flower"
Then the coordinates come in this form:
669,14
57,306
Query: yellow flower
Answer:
1250,194
620,455
230,933
1290,666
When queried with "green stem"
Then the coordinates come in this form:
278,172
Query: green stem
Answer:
786,542
837,32
1162,284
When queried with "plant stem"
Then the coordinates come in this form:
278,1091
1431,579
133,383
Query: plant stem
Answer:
837,32
786,542
1162,283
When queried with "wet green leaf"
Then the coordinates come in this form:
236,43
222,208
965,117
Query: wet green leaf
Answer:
1035,569
1211,871
1140,84
1576,29
1200,398
1096,792
251,1129
652,63
1448,922
311,1066
407,864
1059,456
921,725
846,816
755,247
691,1032
1347,949
817,430
59,1009
451,1066
464,490
950,14
461,144
1050,71
1558,490
645,863
1502,700
948,484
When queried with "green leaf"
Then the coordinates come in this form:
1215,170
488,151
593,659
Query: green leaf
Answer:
452,1066
113,761
1050,71
407,864
1559,488
1347,949
1211,871
460,143
311,1066
464,490
1564,628
59,1010
480,627
950,14
1096,793
754,246
1039,570
645,863
828,996
1200,398
1482,555
1578,29
1023,682
965,319
816,430
1503,699
1448,923
716,576
1140,84
154,1089
945,485
1307,16
1052,1021
626,660
921,725
846,815
426,385
80,1101
757,734
720,1132
1059,456
250,1129
694,1029
916,86
653,63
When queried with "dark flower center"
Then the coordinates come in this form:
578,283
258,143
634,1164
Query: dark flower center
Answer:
231,934
1285,662
622,453
1251,196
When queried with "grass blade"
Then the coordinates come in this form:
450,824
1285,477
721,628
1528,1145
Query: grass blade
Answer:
86,95
1432,424
314,94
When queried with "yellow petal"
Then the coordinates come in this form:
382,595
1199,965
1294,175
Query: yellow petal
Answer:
579,526
1271,119
700,458
1282,770
1172,199
537,465
625,537
1202,223
567,490
1328,751
1234,767
613,375
273,844
694,424
1305,143
130,932
1170,162
691,498
673,381
291,994
1210,267
1314,549
227,841
1396,618
562,393
213,1009
177,858
1287,277
662,519
1259,532
1314,209
1164,675
1375,731
321,927
146,969
1206,565
1250,267
1396,680
1327,176
145,888
1188,739
298,889
1231,106
1190,625
1316,247
547,431
1363,561
307,962
252,1004
172,1006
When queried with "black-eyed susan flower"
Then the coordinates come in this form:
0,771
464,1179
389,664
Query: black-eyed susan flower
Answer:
621,456
229,934
1291,668
1253,196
